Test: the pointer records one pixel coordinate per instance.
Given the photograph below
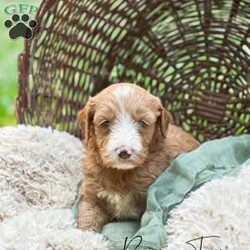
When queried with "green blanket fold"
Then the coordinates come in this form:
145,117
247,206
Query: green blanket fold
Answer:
211,160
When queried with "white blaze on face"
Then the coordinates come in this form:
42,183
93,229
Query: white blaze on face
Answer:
122,91
124,131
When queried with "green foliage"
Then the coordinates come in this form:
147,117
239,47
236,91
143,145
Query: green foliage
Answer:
9,51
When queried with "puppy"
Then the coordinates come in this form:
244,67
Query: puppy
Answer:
130,140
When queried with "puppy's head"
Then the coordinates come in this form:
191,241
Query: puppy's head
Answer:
122,121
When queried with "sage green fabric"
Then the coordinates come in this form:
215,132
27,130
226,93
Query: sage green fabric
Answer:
186,173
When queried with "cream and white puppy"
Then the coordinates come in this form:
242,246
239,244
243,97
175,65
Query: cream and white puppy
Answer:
129,140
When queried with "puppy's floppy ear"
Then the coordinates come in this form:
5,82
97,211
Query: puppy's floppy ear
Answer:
164,119
85,119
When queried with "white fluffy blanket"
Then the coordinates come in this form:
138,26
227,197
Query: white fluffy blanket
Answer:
219,208
39,173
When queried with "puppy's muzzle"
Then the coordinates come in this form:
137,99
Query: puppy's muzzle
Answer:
124,152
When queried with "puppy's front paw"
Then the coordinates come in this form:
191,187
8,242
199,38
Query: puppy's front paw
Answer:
90,217
84,222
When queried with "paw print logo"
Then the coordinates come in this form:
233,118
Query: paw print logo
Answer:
20,26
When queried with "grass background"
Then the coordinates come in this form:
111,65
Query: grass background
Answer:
9,51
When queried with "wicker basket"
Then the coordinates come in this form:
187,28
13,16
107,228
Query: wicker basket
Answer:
193,54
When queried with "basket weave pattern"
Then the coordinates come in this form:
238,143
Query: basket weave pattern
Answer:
193,54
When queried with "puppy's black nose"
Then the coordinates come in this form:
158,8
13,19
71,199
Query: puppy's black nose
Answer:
124,154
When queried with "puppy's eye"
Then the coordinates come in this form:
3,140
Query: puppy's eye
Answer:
104,123
143,123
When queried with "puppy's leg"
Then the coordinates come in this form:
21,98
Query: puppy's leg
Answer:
90,216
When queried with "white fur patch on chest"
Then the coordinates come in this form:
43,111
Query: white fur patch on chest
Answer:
122,205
